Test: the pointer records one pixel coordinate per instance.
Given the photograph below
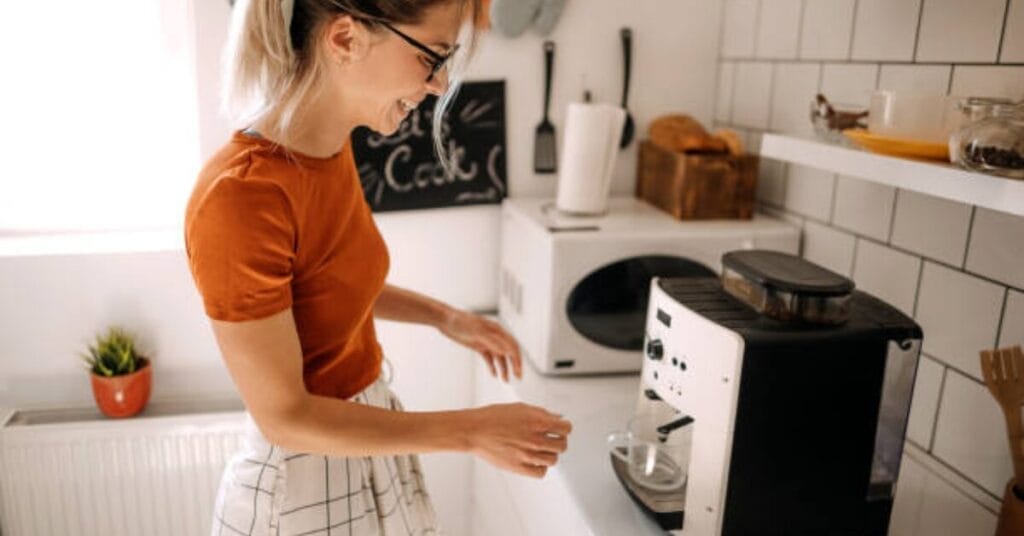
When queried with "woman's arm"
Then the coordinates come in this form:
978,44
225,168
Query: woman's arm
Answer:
497,348
403,305
264,358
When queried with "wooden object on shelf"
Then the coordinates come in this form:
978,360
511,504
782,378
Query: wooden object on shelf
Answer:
697,186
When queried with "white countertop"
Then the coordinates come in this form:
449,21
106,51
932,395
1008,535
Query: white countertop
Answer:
595,405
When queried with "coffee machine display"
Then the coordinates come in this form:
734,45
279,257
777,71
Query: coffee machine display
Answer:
773,400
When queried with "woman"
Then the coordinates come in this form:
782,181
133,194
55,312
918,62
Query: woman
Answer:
291,268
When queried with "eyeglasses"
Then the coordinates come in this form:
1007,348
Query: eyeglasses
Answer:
437,61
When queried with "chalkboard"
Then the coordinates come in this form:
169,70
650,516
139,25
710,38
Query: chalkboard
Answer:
402,172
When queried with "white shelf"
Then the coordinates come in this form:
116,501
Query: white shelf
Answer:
932,178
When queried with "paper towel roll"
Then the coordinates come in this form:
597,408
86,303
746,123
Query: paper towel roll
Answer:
589,149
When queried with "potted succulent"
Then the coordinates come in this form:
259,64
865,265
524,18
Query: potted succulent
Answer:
121,377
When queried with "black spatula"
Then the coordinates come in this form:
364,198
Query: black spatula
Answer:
544,160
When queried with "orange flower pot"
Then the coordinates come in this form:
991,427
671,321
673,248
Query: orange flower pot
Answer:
123,396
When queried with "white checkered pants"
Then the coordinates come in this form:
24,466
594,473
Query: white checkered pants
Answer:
266,490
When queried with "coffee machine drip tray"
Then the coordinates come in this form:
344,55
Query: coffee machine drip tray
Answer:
665,506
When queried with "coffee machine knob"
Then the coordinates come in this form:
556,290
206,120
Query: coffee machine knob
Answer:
655,350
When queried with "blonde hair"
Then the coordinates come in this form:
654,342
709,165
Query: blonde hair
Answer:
271,67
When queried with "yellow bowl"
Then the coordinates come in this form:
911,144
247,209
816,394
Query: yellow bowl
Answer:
898,146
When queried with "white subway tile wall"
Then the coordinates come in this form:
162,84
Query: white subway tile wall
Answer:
930,226
887,274
794,86
885,30
739,19
864,207
959,314
927,387
829,247
1013,36
753,82
955,268
778,31
723,101
956,31
1012,330
809,191
997,247
988,81
927,505
826,29
971,433
771,182
849,83
930,78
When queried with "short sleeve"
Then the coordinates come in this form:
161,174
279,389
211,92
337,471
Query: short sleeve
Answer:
240,240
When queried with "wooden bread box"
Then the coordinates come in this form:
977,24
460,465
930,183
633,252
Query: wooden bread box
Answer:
697,186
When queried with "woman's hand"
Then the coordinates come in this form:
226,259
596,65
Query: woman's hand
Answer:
518,437
498,348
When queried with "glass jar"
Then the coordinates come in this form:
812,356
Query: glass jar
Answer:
992,138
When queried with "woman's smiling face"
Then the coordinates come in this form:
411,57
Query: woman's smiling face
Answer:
383,76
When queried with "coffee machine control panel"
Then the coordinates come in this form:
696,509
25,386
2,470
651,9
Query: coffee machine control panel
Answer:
693,365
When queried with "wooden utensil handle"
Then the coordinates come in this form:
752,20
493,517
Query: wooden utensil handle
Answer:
1015,432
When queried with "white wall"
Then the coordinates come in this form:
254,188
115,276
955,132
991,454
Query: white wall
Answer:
956,268
673,71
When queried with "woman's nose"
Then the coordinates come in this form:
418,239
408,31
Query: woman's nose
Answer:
438,84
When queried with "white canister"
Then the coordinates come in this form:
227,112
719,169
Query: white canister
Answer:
589,149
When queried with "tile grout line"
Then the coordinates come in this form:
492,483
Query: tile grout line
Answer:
757,27
930,451
954,368
917,291
832,207
938,409
937,262
721,64
800,28
892,215
853,31
917,33
853,257
1002,317
949,467
1002,33
970,231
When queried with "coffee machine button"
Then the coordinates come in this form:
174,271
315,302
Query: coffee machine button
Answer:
655,350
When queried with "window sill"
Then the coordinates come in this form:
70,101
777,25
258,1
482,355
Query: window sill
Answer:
91,243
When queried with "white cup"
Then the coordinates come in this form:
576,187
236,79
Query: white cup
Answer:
651,463
913,115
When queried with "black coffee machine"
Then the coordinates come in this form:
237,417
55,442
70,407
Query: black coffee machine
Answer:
780,394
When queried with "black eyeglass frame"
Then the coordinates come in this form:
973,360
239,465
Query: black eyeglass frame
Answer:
437,61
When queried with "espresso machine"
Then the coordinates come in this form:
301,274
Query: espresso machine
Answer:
773,400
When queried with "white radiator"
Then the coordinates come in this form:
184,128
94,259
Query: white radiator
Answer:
73,472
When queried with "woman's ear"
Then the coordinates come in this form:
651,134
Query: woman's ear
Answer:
347,40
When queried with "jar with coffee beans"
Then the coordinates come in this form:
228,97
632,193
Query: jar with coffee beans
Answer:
992,139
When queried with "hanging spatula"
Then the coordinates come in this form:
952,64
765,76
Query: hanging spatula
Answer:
1003,370
544,160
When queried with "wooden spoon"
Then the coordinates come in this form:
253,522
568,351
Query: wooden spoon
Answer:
1003,370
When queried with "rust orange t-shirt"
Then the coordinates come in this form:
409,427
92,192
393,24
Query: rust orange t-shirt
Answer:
265,230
